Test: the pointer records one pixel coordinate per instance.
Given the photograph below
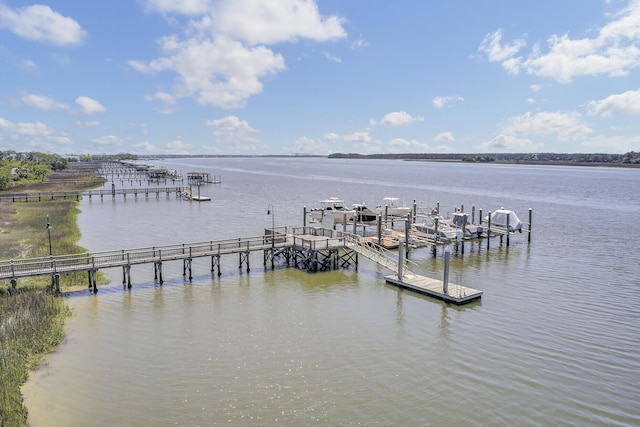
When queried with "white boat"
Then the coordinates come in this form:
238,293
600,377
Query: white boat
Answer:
392,207
470,230
445,231
499,219
334,209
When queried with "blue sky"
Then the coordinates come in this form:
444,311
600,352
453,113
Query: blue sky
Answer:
319,77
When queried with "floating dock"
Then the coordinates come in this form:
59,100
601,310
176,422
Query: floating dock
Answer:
435,288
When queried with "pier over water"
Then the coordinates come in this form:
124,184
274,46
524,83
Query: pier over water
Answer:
306,248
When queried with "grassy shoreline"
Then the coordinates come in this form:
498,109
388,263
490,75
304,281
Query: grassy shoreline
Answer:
32,317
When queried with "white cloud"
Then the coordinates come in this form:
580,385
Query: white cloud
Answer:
305,145
167,101
40,23
221,73
26,128
613,51
497,52
223,56
443,101
89,105
399,145
361,140
235,133
535,88
360,44
35,135
399,118
565,126
146,147
444,137
622,103
333,58
41,102
531,101
87,124
181,7
274,21
109,140
509,144
178,146
612,144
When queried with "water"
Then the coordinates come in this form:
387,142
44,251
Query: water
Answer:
554,339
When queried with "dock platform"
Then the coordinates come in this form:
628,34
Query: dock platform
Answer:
434,288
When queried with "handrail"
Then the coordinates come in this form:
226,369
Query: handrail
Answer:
329,239
115,258
379,254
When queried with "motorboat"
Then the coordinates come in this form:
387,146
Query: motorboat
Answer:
364,214
391,207
460,221
334,209
445,232
502,216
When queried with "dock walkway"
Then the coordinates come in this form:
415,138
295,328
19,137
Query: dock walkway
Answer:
76,195
291,243
312,248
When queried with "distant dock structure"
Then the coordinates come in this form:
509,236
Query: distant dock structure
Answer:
200,178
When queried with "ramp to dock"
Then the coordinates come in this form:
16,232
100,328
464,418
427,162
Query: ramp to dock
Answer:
434,288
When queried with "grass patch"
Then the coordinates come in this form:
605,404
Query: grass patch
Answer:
32,318
31,324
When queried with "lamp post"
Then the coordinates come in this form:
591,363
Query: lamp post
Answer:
272,212
49,234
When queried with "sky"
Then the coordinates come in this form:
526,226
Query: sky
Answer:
298,77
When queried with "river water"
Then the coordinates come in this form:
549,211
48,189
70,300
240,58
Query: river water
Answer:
554,340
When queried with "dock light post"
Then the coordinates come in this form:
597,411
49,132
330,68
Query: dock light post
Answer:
49,234
272,212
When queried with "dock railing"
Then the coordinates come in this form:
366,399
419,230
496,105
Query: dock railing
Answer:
10,269
379,254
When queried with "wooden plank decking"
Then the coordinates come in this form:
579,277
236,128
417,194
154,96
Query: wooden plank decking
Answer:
434,288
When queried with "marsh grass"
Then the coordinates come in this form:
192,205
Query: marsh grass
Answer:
32,317
31,324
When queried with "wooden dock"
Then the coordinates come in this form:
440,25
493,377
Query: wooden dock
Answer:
310,248
434,288
307,248
76,195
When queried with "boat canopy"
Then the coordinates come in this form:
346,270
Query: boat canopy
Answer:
499,218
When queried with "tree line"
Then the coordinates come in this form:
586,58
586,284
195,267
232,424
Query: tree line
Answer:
24,168
630,158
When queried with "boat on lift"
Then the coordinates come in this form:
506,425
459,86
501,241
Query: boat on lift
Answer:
334,209
470,230
502,216
437,227
364,214
391,206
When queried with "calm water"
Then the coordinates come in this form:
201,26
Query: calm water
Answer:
554,340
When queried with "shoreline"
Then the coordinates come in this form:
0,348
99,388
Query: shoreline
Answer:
33,317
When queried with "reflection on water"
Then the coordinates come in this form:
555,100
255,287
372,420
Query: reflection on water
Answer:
553,341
